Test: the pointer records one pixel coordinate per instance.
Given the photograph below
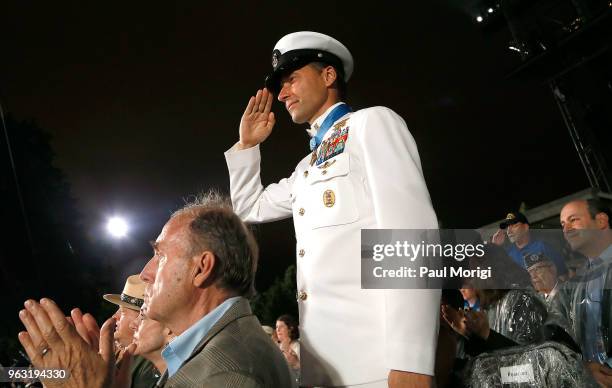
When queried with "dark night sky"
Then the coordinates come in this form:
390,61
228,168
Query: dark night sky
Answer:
143,100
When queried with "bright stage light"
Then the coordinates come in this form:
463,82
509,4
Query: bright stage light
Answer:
117,227
479,19
490,10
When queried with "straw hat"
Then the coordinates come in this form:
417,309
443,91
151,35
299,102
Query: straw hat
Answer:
132,296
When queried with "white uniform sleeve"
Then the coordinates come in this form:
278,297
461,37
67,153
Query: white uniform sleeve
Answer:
251,202
401,201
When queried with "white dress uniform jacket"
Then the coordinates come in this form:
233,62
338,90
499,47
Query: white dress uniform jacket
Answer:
349,335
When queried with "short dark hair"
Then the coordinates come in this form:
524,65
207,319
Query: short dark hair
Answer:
215,227
292,325
340,82
596,206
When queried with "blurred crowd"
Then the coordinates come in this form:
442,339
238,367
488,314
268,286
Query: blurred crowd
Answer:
553,331
181,323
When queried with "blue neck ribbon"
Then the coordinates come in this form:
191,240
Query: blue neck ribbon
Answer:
331,118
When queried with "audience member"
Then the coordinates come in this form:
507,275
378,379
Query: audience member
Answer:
150,338
470,298
130,301
583,305
202,270
287,333
543,273
507,318
522,243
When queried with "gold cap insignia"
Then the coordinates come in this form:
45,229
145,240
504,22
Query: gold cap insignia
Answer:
275,55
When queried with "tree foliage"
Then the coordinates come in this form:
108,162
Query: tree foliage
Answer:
278,299
44,248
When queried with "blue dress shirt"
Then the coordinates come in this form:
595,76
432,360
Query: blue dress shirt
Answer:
179,350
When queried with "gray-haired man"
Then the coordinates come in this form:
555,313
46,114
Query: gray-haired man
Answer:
202,270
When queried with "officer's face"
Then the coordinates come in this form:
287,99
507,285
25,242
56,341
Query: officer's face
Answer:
304,93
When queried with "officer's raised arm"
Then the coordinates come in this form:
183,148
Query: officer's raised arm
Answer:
251,201
257,120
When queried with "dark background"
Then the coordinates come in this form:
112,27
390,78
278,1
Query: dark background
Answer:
126,109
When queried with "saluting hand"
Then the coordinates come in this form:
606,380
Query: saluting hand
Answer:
499,237
257,120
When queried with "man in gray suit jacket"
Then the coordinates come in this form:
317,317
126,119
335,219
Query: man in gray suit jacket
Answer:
198,280
235,353
203,268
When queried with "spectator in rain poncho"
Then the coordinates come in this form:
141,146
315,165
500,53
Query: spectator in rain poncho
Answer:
544,277
583,305
508,318
511,314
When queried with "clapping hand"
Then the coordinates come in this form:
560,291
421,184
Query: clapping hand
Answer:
88,329
601,373
477,323
456,319
52,342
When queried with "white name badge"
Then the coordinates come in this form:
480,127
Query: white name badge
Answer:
517,374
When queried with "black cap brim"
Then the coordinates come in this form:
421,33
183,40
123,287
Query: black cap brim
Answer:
296,59
273,79
505,224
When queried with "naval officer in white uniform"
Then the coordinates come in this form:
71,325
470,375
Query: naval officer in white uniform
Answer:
363,171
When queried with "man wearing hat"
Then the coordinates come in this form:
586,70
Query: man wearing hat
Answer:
363,171
521,244
130,301
543,273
